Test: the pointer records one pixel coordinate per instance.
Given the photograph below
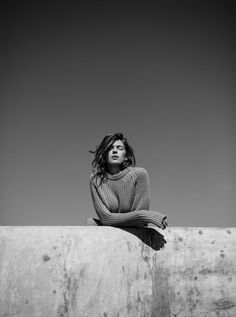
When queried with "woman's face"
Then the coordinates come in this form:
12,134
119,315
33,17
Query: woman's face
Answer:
117,153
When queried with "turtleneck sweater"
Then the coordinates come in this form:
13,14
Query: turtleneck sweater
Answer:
123,199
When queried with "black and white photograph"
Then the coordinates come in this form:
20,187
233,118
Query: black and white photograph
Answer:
117,165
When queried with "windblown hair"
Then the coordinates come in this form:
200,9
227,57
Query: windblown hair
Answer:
99,164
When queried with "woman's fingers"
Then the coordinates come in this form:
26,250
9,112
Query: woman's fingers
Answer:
164,224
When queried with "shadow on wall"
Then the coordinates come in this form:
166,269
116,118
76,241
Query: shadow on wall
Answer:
149,236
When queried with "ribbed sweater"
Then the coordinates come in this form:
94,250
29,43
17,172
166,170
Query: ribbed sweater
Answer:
124,199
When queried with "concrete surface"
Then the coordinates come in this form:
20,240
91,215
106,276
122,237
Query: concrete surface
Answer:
105,271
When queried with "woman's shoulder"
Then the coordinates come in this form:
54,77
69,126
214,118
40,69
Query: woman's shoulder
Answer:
139,171
92,177
95,179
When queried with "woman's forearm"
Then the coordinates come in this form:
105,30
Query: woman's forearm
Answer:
132,218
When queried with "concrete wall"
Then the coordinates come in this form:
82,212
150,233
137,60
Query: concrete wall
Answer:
105,271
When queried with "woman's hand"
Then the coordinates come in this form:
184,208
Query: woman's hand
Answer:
164,223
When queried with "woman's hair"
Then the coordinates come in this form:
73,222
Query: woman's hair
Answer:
99,164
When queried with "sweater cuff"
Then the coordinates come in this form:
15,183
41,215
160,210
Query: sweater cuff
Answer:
158,218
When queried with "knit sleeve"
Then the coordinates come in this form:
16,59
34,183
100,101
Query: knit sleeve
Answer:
142,195
141,191
129,219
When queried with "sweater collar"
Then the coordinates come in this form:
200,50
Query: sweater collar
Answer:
118,175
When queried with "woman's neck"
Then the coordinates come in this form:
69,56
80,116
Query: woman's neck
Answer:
115,169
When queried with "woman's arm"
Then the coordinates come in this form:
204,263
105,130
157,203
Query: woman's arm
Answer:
132,218
141,191
142,194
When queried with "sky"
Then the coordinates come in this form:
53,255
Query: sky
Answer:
162,73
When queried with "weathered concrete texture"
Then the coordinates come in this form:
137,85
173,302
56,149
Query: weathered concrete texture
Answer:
105,271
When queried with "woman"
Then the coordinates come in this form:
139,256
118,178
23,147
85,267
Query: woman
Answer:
120,191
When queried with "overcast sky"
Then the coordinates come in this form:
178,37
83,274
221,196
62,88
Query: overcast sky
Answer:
162,74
